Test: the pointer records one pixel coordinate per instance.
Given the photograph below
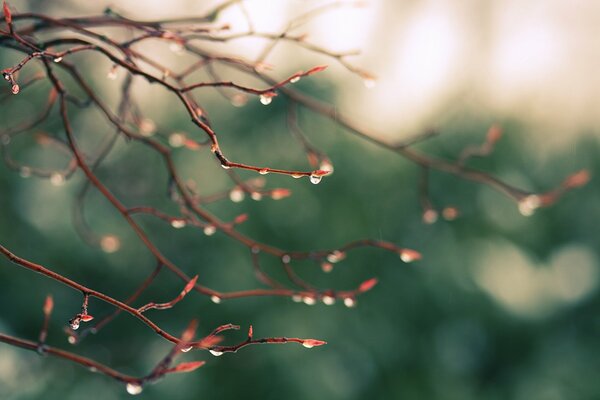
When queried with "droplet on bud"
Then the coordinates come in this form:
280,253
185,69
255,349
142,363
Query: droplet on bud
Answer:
307,344
134,388
309,300
186,349
256,196
315,179
177,139
286,258
266,99
327,267
295,79
58,59
296,298
178,223
236,195
408,255
430,216
225,166
74,323
209,230
110,243
349,302
215,299
216,353
529,204
263,171
336,256
328,300
15,89
57,179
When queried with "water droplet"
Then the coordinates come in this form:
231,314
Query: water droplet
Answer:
315,179
349,302
74,323
263,171
327,267
225,166
430,216
328,300
256,196
216,353
336,256
93,369
529,204
255,249
295,79
186,349
236,195
296,298
57,179
308,345
309,300
408,255
209,230
215,299
25,172
178,223
266,99
110,243
297,176
6,77
134,388
286,258
177,139
147,127
15,89
239,100
369,83
58,59
71,339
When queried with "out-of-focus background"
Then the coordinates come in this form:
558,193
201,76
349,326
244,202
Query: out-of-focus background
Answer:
501,306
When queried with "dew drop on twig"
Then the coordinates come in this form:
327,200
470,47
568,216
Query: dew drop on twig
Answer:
178,223
315,179
134,388
216,353
266,99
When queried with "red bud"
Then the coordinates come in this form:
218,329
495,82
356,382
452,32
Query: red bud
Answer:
367,285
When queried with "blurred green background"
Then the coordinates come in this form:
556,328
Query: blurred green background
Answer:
501,306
